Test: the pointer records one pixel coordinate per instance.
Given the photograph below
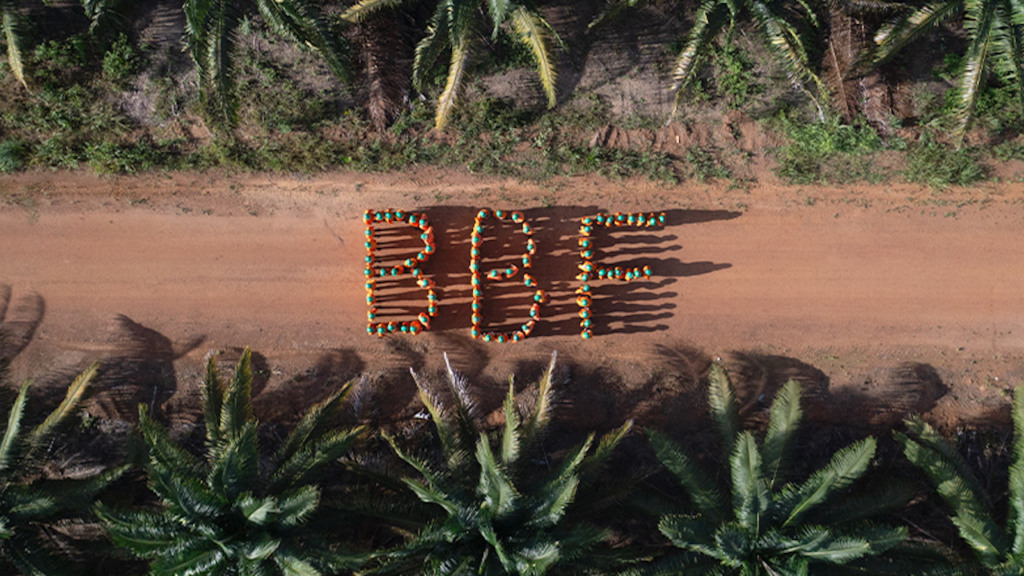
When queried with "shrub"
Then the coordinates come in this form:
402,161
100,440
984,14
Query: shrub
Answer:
120,61
812,146
940,165
13,153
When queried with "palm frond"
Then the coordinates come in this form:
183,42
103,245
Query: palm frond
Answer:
186,496
237,409
313,424
364,8
465,405
709,20
429,49
145,534
24,503
451,439
783,422
613,10
978,22
499,11
1015,524
535,33
162,449
300,21
846,467
692,533
456,70
429,494
212,33
306,465
1007,58
296,506
495,486
199,558
102,14
724,410
11,22
74,394
979,534
213,404
958,487
540,416
750,494
236,470
510,438
8,448
698,487
844,548
896,34
605,447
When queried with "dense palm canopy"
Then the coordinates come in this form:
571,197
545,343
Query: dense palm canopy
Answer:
995,43
26,499
497,511
783,26
1000,549
453,30
232,511
212,34
760,522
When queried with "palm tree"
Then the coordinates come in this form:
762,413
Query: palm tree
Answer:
27,499
233,511
453,29
212,34
782,25
498,512
999,549
759,522
995,43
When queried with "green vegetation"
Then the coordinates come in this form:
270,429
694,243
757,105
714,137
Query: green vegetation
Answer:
762,521
513,493
994,29
828,151
29,502
498,512
89,94
234,511
941,165
999,549
453,29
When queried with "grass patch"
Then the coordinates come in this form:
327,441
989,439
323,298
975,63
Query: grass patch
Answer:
828,151
940,165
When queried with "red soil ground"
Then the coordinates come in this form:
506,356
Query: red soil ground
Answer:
884,300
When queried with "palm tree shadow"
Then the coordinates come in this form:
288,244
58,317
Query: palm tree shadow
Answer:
18,323
139,369
283,402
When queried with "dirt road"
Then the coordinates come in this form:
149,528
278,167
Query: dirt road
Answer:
847,289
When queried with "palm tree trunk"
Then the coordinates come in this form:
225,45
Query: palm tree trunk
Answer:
856,93
385,63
